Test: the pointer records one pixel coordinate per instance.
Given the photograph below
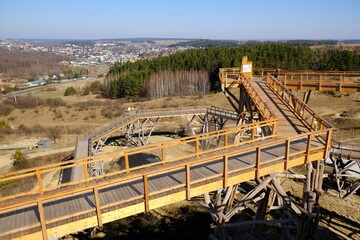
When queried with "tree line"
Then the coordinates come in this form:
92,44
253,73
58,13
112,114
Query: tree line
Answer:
132,79
28,64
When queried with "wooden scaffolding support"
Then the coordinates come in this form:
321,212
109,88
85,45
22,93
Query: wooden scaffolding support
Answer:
296,220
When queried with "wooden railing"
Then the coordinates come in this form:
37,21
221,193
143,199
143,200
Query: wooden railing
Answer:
321,81
309,116
196,145
229,75
346,150
93,187
140,113
221,111
262,106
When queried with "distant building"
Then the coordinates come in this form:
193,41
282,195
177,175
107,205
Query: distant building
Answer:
43,144
36,83
45,77
58,76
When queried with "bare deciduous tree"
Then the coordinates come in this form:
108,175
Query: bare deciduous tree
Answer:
54,133
174,83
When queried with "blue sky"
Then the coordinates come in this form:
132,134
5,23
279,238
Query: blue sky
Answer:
231,19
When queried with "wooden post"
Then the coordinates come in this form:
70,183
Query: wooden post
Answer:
274,129
304,112
197,146
97,206
328,143
307,186
226,138
258,229
312,122
42,219
163,156
225,172
257,164
126,159
287,152
188,182
340,84
39,180
146,192
253,134
86,172
308,146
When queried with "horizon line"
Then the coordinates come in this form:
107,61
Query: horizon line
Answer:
182,38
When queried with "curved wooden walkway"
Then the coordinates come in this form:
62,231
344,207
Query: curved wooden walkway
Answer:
54,212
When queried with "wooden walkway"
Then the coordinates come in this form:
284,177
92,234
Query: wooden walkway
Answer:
74,208
288,123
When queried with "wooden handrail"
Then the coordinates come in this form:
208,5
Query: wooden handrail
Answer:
125,154
80,189
67,163
239,77
297,104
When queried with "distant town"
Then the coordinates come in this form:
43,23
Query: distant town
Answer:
98,52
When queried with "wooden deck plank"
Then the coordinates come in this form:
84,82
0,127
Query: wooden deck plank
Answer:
109,193
123,193
104,199
162,181
167,180
34,217
49,211
27,217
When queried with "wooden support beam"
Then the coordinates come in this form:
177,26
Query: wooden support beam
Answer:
328,144
287,154
163,154
98,206
253,132
126,159
227,94
207,199
197,148
257,163
188,182
42,220
248,106
258,222
226,138
232,197
40,182
308,147
225,171
85,167
146,192
258,229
